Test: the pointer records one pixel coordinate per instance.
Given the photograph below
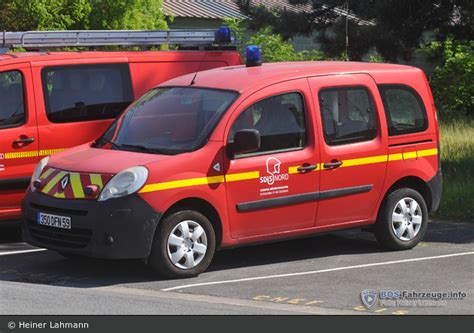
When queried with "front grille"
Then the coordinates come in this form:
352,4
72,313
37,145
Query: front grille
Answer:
70,238
49,209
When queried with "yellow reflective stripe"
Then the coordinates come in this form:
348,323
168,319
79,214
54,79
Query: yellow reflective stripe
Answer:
47,152
53,182
395,157
364,160
291,170
182,183
242,176
31,153
428,152
21,154
76,185
409,155
47,173
96,180
59,195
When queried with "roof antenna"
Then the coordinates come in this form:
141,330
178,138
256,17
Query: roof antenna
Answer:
194,77
199,68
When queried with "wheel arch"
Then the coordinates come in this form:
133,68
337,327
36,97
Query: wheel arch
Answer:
415,183
202,206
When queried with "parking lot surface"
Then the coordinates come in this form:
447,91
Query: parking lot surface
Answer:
323,274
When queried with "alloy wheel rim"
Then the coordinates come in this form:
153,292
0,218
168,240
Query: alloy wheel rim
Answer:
187,244
407,218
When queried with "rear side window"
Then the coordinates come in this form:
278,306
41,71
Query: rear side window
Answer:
348,115
404,109
280,120
12,106
86,92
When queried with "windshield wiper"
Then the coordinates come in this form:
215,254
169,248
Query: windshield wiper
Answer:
115,145
146,149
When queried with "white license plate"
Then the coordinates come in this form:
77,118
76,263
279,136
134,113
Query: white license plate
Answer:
56,221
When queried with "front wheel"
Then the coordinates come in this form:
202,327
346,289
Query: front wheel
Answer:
402,220
184,245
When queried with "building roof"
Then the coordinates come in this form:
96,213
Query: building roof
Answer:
246,79
214,9
221,9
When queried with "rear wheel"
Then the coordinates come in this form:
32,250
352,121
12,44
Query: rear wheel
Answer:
184,245
402,220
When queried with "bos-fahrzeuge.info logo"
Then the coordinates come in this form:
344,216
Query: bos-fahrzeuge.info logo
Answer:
369,297
274,172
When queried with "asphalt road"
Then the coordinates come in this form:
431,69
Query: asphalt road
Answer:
318,275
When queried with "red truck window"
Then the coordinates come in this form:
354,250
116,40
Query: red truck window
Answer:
280,121
404,109
86,92
12,106
348,115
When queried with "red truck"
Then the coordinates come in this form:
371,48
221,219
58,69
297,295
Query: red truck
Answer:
246,154
51,101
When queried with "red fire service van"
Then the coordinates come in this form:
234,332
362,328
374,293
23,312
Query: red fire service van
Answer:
246,154
50,101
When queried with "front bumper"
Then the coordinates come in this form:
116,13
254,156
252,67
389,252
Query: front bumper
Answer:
121,228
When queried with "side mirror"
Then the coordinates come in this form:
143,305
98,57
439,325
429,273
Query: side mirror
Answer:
246,141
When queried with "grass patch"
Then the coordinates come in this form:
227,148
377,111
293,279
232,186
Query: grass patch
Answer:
457,161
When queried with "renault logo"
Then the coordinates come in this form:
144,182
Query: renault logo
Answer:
64,182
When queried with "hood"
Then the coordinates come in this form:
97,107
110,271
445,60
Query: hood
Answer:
86,159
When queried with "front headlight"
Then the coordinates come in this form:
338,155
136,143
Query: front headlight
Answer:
38,170
124,183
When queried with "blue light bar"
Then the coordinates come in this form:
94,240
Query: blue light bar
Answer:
222,35
252,54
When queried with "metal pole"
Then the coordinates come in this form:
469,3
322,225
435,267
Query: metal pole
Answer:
347,30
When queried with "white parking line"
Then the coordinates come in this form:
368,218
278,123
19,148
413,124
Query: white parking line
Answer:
20,252
316,272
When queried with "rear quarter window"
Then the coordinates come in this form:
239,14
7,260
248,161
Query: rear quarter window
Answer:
348,115
404,109
86,92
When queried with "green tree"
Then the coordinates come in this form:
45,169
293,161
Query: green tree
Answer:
127,14
21,15
453,80
272,46
397,29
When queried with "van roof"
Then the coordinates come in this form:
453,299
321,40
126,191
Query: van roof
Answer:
241,78
15,57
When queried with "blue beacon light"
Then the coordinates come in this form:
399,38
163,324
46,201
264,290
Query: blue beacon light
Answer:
222,35
253,57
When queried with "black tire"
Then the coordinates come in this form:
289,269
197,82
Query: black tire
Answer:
159,259
383,230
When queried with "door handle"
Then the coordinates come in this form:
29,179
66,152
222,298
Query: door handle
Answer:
307,167
24,141
332,165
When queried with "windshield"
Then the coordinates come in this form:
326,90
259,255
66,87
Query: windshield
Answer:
169,120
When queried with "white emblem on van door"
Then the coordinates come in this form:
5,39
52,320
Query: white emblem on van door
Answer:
217,167
273,165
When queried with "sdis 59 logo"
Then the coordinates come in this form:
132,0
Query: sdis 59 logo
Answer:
274,171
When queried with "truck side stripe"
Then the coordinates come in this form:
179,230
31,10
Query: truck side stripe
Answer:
31,153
